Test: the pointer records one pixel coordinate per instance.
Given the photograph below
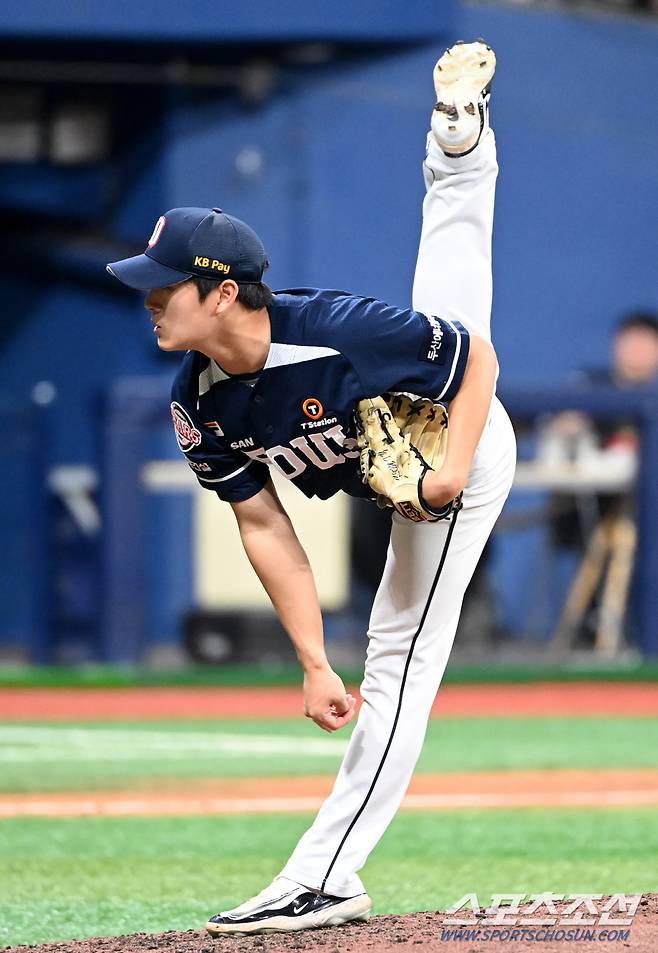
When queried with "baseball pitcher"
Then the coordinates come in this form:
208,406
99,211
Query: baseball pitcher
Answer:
340,392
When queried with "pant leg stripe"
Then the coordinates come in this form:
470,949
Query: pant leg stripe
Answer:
399,706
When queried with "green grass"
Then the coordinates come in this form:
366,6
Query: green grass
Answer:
249,675
105,876
118,754
78,877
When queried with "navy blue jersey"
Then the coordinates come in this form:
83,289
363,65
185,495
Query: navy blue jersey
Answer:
329,350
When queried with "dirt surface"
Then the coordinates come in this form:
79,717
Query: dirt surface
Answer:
254,795
543,699
383,935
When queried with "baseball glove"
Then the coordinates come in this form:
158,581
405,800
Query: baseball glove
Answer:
400,438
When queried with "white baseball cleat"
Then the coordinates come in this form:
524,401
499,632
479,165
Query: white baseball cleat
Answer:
286,905
462,80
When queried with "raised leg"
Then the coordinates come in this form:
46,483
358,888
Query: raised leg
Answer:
453,270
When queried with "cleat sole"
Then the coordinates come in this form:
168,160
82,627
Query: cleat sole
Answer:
462,77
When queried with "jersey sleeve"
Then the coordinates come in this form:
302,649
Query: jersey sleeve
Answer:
398,349
231,474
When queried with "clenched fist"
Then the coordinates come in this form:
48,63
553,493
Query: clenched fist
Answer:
326,701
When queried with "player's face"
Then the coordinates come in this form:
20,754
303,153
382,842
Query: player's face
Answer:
180,320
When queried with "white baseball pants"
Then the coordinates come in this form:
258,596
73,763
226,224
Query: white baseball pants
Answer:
416,609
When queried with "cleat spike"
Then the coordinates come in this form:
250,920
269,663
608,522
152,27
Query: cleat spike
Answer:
450,111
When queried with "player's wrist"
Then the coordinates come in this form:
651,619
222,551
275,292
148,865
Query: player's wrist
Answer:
315,664
439,488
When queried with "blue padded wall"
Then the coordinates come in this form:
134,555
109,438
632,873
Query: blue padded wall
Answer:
328,170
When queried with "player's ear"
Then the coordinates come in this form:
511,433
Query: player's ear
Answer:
228,292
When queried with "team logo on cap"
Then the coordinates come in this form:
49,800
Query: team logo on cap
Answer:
157,231
313,408
187,435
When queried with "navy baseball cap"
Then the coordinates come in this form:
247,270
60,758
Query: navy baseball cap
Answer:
194,241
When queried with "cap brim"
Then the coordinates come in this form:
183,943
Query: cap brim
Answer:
144,273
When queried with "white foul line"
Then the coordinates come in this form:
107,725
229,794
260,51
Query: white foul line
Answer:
20,743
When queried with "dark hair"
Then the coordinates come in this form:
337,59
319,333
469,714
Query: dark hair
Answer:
644,320
252,295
